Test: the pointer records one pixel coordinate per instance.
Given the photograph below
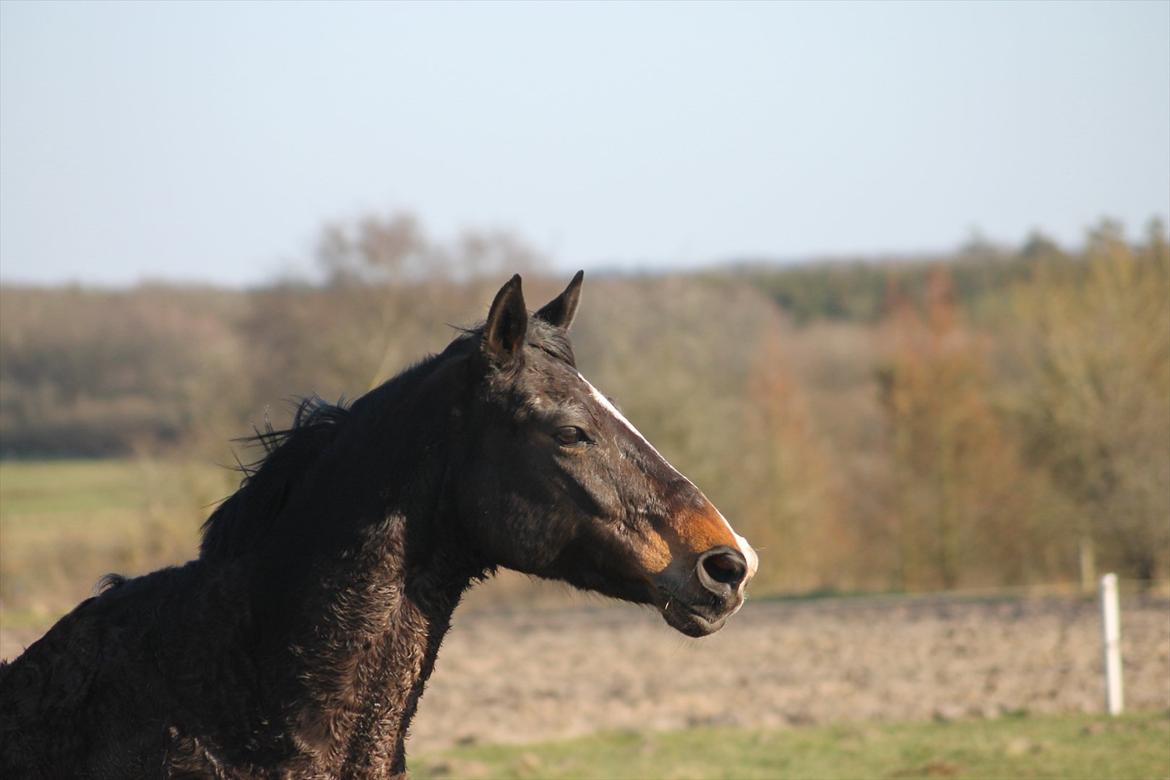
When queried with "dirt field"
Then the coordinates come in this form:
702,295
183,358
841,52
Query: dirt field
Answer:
541,673
544,674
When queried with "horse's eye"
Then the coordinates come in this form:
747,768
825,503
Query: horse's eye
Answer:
570,436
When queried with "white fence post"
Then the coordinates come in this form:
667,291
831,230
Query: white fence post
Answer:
1111,633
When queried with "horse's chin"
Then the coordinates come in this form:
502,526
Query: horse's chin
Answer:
687,621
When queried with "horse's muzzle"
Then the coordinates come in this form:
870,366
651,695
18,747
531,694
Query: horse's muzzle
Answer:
708,594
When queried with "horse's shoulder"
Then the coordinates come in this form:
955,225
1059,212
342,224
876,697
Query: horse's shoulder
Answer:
56,670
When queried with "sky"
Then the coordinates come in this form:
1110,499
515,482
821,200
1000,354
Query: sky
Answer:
210,142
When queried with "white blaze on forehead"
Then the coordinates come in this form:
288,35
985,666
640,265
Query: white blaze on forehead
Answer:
609,407
753,560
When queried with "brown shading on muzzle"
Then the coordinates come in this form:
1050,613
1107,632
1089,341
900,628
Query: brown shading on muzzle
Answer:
684,534
699,530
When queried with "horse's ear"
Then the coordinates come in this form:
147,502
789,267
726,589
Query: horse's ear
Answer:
507,322
561,309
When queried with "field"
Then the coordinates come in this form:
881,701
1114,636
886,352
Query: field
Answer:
865,686
535,675
1083,747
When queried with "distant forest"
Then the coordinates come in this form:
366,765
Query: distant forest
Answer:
980,418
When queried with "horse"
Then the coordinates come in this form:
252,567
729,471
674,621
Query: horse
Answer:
298,642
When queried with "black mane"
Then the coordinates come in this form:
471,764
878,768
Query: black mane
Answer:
245,516
248,515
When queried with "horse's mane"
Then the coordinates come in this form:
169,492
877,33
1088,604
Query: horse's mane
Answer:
245,516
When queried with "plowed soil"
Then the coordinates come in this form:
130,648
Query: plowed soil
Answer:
544,674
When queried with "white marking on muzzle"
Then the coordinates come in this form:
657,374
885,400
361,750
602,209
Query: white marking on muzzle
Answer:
753,560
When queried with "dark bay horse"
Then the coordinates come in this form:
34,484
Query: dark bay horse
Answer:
298,643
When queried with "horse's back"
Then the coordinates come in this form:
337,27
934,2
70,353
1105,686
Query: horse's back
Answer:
89,698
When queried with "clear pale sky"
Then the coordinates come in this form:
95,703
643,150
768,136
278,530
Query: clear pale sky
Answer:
211,141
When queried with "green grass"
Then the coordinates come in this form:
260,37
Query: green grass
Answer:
1094,748
65,523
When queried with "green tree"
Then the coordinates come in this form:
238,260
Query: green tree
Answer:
1093,378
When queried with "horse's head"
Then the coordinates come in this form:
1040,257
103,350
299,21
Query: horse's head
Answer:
563,486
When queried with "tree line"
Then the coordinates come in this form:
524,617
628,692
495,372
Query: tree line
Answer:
983,418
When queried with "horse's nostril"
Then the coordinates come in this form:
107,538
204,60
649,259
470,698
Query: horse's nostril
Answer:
726,567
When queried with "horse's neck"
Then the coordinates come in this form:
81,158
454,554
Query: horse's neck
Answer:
372,651
373,605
